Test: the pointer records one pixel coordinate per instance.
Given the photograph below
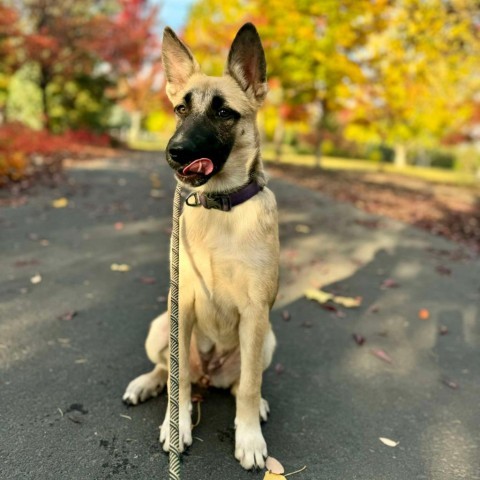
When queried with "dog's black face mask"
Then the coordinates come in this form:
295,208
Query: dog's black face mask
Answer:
203,140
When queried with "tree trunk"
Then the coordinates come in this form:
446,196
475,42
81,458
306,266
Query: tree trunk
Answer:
278,137
135,126
43,84
318,150
400,159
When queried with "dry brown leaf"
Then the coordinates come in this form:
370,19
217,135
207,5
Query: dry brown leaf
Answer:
388,442
274,466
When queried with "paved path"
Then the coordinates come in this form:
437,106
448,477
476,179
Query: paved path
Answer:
61,380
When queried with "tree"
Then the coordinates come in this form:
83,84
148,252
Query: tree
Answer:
312,47
83,49
423,75
9,39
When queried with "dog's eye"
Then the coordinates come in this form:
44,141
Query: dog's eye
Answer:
181,109
224,113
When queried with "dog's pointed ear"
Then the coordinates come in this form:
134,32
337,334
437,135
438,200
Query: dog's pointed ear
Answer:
178,62
246,62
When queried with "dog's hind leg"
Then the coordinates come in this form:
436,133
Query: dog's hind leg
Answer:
152,383
146,386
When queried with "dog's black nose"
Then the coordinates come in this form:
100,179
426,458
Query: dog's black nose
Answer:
182,150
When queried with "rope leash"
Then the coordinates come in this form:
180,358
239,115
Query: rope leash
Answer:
174,394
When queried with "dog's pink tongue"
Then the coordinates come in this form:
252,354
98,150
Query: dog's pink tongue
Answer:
202,165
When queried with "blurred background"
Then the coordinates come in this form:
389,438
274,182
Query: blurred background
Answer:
367,85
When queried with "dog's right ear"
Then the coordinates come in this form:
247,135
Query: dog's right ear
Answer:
178,62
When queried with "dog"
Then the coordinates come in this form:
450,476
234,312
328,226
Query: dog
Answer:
229,247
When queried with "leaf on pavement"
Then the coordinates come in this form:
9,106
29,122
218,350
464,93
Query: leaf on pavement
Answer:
323,297
60,202
389,283
381,354
388,442
274,466
450,383
36,279
359,339
423,314
273,476
68,315
119,267
148,280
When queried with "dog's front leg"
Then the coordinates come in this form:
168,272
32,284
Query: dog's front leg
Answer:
185,323
250,446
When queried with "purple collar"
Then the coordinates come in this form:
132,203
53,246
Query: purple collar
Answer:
226,201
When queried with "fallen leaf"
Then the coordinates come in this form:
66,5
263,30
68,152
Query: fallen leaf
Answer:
388,442
359,339
450,383
302,228
155,193
381,354
286,315
423,314
155,180
273,476
36,279
274,466
60,202
148,280
348,302
443,330
68,315
25,263
279,368
442,270
122,267
323,297
389,283
318,295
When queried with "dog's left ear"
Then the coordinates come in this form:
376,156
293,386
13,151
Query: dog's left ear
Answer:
247,64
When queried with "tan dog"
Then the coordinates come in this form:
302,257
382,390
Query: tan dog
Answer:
228,242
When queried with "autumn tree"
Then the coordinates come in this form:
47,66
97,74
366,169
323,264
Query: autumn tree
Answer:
9,43
423,75
82,50
312,48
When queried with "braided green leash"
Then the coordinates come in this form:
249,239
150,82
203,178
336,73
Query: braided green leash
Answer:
174,395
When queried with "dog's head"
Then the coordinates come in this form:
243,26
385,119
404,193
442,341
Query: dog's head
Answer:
216,139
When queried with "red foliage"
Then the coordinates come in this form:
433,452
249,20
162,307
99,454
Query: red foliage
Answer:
22,149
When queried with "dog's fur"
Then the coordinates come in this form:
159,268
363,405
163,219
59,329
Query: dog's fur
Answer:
228,260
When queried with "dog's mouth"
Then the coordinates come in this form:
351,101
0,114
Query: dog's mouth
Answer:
203,166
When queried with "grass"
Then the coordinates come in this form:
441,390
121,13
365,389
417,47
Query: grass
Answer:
430,174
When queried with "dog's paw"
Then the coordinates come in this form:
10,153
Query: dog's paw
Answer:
264,409
185,432
250,447
142,388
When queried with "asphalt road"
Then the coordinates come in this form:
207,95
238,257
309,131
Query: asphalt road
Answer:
62,375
